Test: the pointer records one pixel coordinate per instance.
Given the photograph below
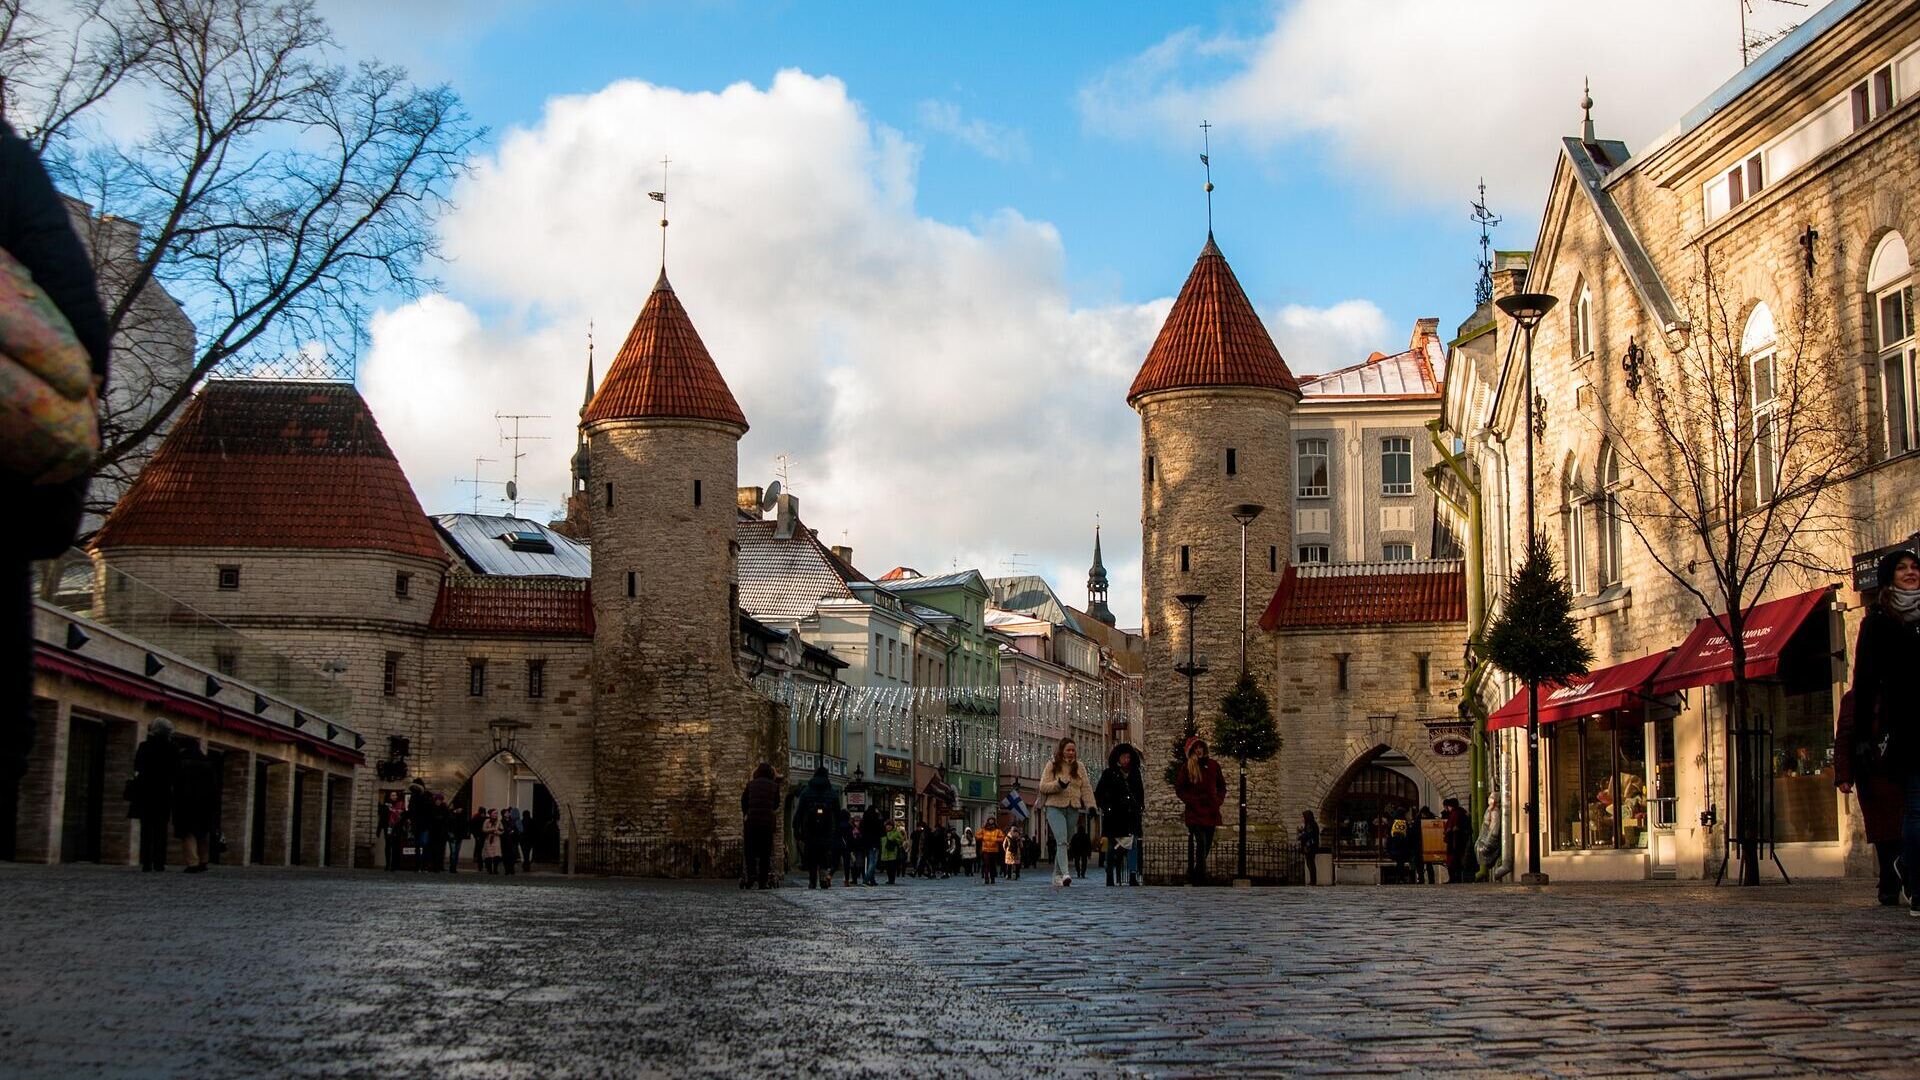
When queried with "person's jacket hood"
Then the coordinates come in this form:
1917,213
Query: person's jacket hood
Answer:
1113,756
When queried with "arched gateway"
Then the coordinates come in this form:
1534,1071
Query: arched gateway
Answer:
505,777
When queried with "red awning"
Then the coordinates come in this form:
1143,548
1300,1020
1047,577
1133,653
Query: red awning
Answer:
1706,658
1618,687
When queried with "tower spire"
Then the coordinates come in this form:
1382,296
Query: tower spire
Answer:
1097,581
1586,109
1206,162
661,198
588,400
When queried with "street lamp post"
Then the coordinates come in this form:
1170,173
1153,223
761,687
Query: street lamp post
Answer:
1192,670
1244,513
1528,309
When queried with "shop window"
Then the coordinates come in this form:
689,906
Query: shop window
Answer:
1313,458
1891,282
1598,795
1800,718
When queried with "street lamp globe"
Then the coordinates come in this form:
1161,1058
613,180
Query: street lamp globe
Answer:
1527,308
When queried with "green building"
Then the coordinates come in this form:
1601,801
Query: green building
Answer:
965,739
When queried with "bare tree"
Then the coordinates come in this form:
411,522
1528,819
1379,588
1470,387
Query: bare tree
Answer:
1732,458
278,192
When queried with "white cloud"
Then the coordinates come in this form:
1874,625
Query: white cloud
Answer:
1318,340
1421,99
996,142
942,394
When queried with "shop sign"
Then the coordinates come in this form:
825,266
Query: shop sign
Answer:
1866,565
1449,738
888,767
856,799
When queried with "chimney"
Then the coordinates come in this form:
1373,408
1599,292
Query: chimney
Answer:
1508,280
748,499
1424,330
843,553
786,516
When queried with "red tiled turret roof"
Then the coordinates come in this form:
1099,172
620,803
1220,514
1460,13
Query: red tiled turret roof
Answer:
277,465
664,371
1362,594
1212,337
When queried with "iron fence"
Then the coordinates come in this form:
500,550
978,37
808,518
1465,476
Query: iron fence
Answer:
1163,861
653,857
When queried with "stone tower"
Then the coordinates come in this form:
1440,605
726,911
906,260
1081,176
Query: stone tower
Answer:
1216,408
677,730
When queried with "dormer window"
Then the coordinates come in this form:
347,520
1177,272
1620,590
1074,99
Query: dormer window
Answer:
532,540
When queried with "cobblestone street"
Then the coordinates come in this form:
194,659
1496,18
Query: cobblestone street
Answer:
257,973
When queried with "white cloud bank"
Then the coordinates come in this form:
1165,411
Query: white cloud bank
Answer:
944,398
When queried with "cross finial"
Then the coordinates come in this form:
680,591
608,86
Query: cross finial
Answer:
661,198
1206,162
1586,109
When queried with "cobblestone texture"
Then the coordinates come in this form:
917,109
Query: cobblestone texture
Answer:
301,973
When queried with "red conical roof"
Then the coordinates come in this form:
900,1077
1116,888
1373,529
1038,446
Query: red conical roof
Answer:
664,371
1212,337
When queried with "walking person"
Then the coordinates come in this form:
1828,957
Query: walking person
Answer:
1886,703
1065,794
437,831
529,832
1459,837
419,822
873,829
990,838
395,812
1079,850
195,797
1122,798
919,848
816,818
950,851
1308,841
509,837
459,827
969,848
893,847
150,792
1011,855
1202,788
490,830
1858,769
759,818
1487,848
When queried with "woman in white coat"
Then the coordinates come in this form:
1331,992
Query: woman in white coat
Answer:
1065,793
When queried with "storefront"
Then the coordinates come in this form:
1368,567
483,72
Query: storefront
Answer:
892,787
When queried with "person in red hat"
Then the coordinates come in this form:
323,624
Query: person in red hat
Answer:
1202,787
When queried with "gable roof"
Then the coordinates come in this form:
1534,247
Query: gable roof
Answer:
664,371
256,463
480,541
1212,337
785,578
1363,594
1409,375
910,581
1029,594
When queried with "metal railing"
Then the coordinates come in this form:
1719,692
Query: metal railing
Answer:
1163,861
650,857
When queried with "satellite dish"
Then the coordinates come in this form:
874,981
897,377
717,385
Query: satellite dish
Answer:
772,498
513,491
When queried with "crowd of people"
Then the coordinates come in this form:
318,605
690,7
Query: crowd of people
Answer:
423,832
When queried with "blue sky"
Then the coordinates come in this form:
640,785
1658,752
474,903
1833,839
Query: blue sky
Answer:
928,245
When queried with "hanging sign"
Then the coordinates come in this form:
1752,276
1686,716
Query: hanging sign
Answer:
1450,737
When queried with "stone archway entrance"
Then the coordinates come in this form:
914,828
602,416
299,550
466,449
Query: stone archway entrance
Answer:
505,778
1379,786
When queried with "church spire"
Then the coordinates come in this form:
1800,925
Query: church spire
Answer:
1097,584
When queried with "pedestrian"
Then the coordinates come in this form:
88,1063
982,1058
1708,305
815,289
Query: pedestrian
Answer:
437,829
1886,705
918,846
1488,847
969,851
477,829
873,829
1459,835
459,827
1122,798
893,846
528,834
1079,850
509,837
1859,769
150,792
395,812
1308,841
817,817
1011,856
1397,845
196,795
1202,788
43,518
990,838
1065,794
759,818
419,821
951,844
1427,870
490,829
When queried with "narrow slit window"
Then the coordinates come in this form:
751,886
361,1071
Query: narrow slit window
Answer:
1149,467
1273,560
1423,667
633,584
609,494
476,678
696,493
1233,461
1340,670
1186,559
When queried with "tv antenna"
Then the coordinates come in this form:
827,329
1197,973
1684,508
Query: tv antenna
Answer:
783,465
1016,562
1486,219
1755,41
476,481
516,438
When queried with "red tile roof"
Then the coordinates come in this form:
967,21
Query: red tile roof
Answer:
1212,337
514,606
276,465
1361,594
664,370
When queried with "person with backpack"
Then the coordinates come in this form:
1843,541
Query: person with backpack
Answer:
816,820
760,817
1122,798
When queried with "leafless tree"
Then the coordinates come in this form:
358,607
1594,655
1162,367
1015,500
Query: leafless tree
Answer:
278,192
1732,458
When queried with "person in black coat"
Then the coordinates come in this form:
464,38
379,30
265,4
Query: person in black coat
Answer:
459,827
872,828
1885,733
816,820
760,814
1122,798
150,793
419,822
42,519
1307,839
196,796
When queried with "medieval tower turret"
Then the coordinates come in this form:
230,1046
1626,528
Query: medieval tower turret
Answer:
1216,408
677,730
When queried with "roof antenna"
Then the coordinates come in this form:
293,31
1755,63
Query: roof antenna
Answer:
1487,219
476,481
1206,161
661,198
1586,107
513,485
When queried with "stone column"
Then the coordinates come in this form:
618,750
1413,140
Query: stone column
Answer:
43,790
236,806
279,842
119,842
313,816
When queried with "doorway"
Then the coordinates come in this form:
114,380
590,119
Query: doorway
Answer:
85,809
1665,855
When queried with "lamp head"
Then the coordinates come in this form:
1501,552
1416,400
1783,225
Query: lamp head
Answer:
1526,308
1244,513
1191,600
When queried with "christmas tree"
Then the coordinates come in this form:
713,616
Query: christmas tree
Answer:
1534,639
1246,731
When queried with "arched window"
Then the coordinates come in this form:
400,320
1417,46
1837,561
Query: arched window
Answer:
1612,528
1757,353
1573,508
1582,313
1890,280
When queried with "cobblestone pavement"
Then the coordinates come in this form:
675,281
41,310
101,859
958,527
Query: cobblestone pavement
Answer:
292,973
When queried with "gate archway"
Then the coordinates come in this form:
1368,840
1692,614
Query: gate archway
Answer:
505,777
1380,785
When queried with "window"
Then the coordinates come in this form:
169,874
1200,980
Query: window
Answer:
633,583
226,661
1186,561
1149,467
1598,782
1396,466
879,649
401,582
536,678
1611,531
1233,461
1423,672
1313,468
1340,670
1573,510
1891,282
1313,553
1396,552
476,678
1801,710
1872,97
1757,347
390,675
1583,323
696,493
229,577
609,494
1273,559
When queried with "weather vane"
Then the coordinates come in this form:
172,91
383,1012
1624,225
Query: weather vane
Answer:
1487,219
1206,161
661,198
